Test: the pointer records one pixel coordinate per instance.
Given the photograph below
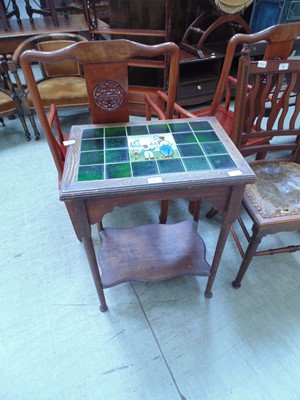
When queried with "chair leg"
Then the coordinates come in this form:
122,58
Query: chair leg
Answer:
163,211
249,254
33,124
27,133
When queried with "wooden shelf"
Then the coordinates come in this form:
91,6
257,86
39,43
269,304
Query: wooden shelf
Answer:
151,253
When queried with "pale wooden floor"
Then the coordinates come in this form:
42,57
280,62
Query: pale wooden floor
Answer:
157,341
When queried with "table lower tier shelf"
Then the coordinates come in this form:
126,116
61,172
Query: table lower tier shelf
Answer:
151,253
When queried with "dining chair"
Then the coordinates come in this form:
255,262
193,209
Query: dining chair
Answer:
9,101
105,70
61,84
273,201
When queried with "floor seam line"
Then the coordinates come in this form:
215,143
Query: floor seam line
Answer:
158,345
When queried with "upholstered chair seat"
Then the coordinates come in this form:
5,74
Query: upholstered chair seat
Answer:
277,190
57,91
6,103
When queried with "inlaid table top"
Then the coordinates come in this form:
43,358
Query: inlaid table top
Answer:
120,156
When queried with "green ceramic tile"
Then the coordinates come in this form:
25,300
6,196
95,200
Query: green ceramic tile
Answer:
116,142
121,170
144,168
114,162
170,166
137,130
92,133
115,131
159,128
90,173
201,126
207,136
189,150
196,164
179,127
91,157
184,138
214,148
92,144
221,162
120,155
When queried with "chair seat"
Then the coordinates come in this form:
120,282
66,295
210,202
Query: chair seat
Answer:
62,91
277,190
6,103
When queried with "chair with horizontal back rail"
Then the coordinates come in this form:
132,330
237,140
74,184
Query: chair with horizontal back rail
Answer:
61,84
9,101
273,201
105,68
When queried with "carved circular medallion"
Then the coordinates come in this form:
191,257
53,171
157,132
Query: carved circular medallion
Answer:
108,95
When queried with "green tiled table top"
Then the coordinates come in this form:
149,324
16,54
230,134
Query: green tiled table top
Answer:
150,150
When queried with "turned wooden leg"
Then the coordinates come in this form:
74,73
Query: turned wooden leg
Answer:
250,252
90,252
29,10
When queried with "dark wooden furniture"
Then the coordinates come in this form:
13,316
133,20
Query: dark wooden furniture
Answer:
212,32
9,100
62,84
266,13
203,53
52,9
6,14
217,173
273,202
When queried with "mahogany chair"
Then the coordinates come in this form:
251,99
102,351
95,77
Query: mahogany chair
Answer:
105,68
53,80
62,84
9,101
273,202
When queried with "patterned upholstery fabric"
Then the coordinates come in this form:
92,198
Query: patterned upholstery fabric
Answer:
277,190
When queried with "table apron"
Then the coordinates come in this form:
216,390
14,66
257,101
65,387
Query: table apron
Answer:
218,197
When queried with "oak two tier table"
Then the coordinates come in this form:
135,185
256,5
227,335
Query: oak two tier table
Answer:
119,164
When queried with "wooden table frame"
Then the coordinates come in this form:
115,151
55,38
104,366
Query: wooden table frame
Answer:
87,204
